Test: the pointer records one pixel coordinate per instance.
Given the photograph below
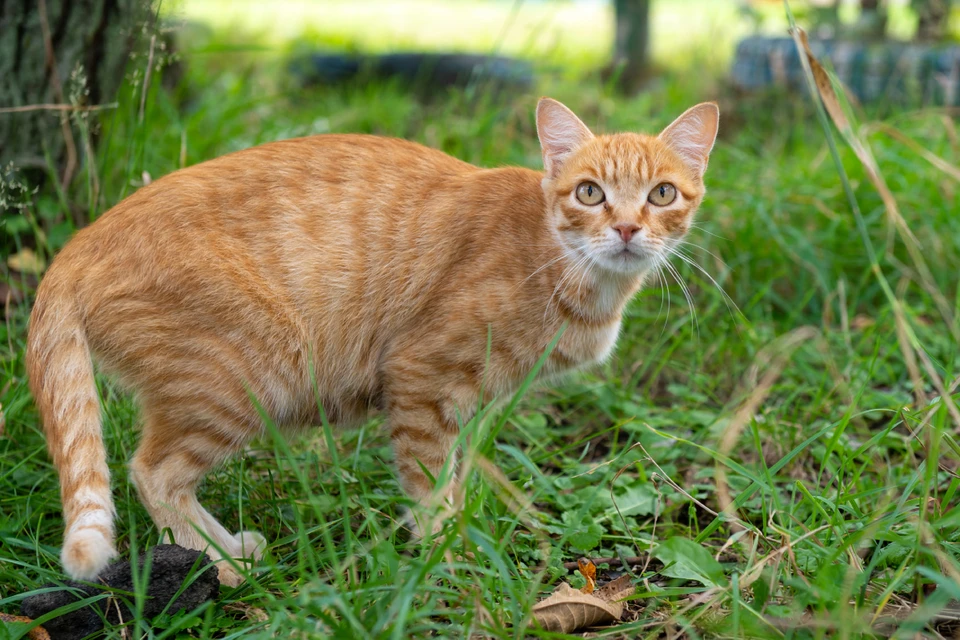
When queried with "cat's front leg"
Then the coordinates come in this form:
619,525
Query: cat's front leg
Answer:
424,437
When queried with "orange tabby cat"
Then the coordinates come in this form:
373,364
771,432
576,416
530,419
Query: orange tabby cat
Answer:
373,266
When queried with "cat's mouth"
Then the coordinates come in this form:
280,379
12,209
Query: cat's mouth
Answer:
632,252
628,258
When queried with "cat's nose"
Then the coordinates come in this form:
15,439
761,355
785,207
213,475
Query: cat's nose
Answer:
626,230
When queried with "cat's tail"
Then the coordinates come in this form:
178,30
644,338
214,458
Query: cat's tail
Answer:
60,368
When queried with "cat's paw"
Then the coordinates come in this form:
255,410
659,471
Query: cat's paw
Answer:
424,523
251,544
228,576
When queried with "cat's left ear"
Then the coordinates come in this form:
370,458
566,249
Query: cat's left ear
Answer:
692,135
560,131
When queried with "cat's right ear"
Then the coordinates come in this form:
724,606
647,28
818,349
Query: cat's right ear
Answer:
560,131
692,135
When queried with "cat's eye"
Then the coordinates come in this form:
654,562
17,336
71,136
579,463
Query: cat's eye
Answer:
589,193
663,194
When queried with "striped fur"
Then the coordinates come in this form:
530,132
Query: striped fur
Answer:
379,263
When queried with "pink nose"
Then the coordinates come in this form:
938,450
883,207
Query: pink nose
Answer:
626,230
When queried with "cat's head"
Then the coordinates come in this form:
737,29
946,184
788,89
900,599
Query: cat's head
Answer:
623,201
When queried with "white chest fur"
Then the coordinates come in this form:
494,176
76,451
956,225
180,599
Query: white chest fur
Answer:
583,345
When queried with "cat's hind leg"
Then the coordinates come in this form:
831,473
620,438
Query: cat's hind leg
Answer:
172,459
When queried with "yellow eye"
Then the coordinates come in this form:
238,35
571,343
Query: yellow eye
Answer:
589,193
663,194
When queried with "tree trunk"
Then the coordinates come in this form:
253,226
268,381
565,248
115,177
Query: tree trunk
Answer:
632,44
933,18
61,52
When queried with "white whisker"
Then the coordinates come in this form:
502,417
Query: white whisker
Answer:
664,289
709,233
541,268
731,305
568,272
584,275
686,294
707,251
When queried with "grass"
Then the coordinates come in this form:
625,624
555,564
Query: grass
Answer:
790,404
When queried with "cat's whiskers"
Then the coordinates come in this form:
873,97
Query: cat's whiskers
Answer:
728,301
694,225
686,293
593,263
568,272
563,254
697,246
664,290
563,276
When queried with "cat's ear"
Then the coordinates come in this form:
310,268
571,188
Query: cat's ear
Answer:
692,135
560,131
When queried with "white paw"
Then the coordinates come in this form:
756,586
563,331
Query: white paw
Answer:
427,523
227,575
251,544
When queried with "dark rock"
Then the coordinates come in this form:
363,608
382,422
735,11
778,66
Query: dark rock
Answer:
424,70
171,566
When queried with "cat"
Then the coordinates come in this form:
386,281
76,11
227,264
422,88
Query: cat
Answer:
367,270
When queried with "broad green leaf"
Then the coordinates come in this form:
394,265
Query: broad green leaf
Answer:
638,500
687,560
584,534
587,536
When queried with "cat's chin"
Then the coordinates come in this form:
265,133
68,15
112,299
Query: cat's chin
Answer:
626,262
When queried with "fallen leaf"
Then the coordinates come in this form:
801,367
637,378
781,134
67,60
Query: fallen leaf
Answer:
589,571
567,609
37,633
26,262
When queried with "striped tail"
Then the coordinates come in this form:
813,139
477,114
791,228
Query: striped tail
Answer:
61,379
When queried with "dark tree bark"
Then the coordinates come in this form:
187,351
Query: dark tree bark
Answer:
47,48
632,43
933,17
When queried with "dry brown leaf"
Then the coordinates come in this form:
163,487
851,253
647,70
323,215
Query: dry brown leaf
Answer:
27,261
589,571
37,633
567,609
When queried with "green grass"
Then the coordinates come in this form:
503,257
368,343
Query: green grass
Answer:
793,398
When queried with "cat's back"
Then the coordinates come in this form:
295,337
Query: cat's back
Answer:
315,185
296,171
333,219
